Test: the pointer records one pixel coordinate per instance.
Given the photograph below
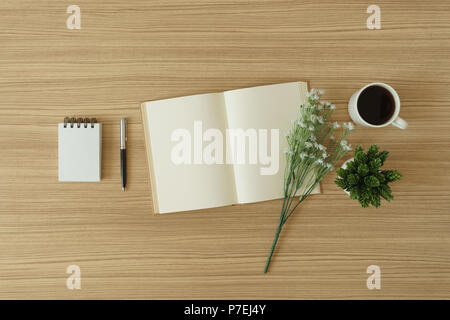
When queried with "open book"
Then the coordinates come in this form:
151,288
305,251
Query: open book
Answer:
218,149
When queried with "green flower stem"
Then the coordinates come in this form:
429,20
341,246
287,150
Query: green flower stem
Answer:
291,211
310,155
283,218
275,240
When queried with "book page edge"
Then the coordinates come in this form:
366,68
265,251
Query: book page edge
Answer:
148,151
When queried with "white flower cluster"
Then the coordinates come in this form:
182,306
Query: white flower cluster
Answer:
314,98
316,152
315,94
316,119
301,124
315,145
320,147
349,126
326,104
335,125
310,127
322,162
345,145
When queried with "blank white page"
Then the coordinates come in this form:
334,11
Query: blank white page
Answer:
264,107
79,152
182,187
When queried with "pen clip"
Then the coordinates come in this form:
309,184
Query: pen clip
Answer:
123,133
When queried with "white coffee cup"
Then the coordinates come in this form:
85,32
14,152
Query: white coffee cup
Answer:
394,119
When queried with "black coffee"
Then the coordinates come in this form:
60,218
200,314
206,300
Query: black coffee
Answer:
376,105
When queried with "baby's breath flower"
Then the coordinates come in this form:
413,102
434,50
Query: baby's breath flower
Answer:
329,105
349,126
321,91
301,124
313,94
345,145
315,159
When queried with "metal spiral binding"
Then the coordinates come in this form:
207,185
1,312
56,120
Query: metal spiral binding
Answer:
79,122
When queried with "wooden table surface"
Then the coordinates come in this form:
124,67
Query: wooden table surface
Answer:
132,51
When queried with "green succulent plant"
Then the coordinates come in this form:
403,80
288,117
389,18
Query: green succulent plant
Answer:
365,180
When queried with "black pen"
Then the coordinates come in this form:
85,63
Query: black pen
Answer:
123,152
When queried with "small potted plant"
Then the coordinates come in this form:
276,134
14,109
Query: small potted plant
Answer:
362,178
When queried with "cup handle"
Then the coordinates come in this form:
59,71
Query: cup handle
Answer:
400,123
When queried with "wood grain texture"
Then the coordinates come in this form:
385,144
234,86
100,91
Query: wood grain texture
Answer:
133,51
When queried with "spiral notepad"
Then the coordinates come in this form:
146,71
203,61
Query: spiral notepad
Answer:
79,149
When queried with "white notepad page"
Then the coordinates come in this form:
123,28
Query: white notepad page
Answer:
79,152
